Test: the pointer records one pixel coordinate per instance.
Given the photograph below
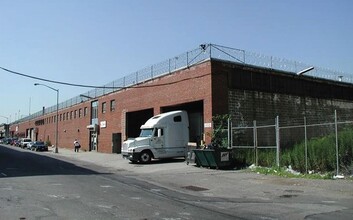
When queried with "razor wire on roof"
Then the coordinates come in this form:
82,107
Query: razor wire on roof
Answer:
202,53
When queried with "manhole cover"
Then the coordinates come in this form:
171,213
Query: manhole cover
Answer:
194,188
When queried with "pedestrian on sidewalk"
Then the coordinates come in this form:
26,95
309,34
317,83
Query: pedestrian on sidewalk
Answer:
77,145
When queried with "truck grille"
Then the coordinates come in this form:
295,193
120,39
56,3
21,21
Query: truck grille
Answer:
125,146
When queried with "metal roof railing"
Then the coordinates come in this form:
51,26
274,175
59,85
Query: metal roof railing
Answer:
198,55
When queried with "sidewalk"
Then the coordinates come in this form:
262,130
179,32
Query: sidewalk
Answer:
178,176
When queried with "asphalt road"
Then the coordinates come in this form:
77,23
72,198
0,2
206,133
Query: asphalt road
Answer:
35,186
50,186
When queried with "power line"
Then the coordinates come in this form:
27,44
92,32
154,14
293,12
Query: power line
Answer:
56,82
98,87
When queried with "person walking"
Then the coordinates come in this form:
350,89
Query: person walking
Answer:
77,145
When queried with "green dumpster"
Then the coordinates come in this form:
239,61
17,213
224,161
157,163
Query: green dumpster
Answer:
218,158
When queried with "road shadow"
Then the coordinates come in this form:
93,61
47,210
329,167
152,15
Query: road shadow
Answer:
161,161
16,162
231,167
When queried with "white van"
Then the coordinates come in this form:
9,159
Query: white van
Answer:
24,142
163,136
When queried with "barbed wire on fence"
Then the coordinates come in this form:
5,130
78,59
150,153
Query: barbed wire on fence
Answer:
202,53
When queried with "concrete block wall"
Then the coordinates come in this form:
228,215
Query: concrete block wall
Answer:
245,106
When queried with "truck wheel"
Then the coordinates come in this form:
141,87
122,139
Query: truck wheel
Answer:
145,157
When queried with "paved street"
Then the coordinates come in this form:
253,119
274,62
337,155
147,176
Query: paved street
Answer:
39,187
90,185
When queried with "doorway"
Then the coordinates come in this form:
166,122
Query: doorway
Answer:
93,143
195,113
116,140
134,120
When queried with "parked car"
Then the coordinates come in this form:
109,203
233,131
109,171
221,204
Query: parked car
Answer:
8,141
13,141
24,142
29,145
17,142
39,146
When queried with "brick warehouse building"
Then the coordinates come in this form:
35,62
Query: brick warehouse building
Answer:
208,81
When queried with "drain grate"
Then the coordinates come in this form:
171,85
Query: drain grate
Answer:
194,188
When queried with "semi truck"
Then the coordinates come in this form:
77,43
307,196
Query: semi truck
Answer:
163,136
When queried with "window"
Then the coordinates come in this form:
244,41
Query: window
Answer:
40,122
146,132
177,118
104,107
80,113
67,115
71,115
85,112
94,112
112,105
158,130
75,114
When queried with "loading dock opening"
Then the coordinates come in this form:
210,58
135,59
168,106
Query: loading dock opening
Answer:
134,120
195,112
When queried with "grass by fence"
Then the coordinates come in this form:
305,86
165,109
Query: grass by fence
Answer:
319,147
322,154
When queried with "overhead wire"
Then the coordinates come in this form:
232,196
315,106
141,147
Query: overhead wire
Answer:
52,81
97,87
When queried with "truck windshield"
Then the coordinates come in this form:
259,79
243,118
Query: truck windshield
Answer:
146,132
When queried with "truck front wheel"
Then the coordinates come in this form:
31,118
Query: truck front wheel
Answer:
145,157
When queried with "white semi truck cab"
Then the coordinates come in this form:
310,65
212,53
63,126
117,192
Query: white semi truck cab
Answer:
163,136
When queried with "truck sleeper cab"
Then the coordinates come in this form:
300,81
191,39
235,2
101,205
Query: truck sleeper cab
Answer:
163,136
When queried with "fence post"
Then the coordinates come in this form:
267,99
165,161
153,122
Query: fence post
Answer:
277,140
306,146
229,133
255,143
244,56
271,63
336,131
211,50
152,72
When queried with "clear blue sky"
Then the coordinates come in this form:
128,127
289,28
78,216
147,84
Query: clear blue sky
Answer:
97,41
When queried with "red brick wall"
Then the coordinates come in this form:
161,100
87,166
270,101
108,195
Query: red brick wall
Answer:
228,90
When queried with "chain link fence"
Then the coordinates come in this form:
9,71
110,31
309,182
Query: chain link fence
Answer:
309,145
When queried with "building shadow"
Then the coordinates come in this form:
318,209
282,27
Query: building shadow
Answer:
16,162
